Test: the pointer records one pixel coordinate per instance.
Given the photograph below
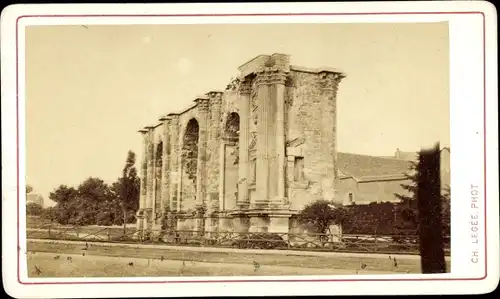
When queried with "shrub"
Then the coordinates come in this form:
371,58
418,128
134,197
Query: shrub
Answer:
321,214
260,241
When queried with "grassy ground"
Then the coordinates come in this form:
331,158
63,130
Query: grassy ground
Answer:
100,260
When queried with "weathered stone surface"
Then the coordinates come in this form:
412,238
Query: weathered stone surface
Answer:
281,155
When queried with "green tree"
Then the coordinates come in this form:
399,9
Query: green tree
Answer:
321,214
34,209
408,210
80,206
49,213
127,190
93,193
64,196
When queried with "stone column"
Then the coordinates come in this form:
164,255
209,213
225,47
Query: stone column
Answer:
262,155
201,171
213,168
328,83
278,80
244,137
213,144
202,150
143,188
173,160
144,169
150,178
222,174
165,178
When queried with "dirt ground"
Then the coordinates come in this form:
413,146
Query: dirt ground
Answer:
77,260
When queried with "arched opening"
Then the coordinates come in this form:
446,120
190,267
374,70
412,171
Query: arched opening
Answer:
189,157
231,139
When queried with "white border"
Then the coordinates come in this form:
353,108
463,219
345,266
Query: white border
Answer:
466,76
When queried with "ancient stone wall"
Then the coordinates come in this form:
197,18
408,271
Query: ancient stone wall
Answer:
310,138
199,162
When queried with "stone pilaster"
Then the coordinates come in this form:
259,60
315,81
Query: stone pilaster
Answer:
165,179
202,104
150,178
201,171
244,91
222,175
277,81
173,160
213,146
271,157
143,188
328,83
144,169
262,154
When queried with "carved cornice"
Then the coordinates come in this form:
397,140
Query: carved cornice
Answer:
202,103
330,80
245,87
215,97
271,75
233,85
173,116
165,118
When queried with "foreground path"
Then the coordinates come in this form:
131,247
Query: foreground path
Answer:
113,260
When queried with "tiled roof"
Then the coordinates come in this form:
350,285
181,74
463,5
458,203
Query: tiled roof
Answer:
364,167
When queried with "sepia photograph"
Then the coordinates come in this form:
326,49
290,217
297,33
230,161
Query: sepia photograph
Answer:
245,149
171,139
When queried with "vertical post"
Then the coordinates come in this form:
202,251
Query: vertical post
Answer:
429,211
243,169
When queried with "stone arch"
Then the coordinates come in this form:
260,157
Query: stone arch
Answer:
159,154
231,133
232,126
190,148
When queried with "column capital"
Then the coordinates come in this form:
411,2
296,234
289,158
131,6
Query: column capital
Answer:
330,79
215,97
202,103
143,131
245,87
271,75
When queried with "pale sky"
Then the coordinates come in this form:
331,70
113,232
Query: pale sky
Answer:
90,89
